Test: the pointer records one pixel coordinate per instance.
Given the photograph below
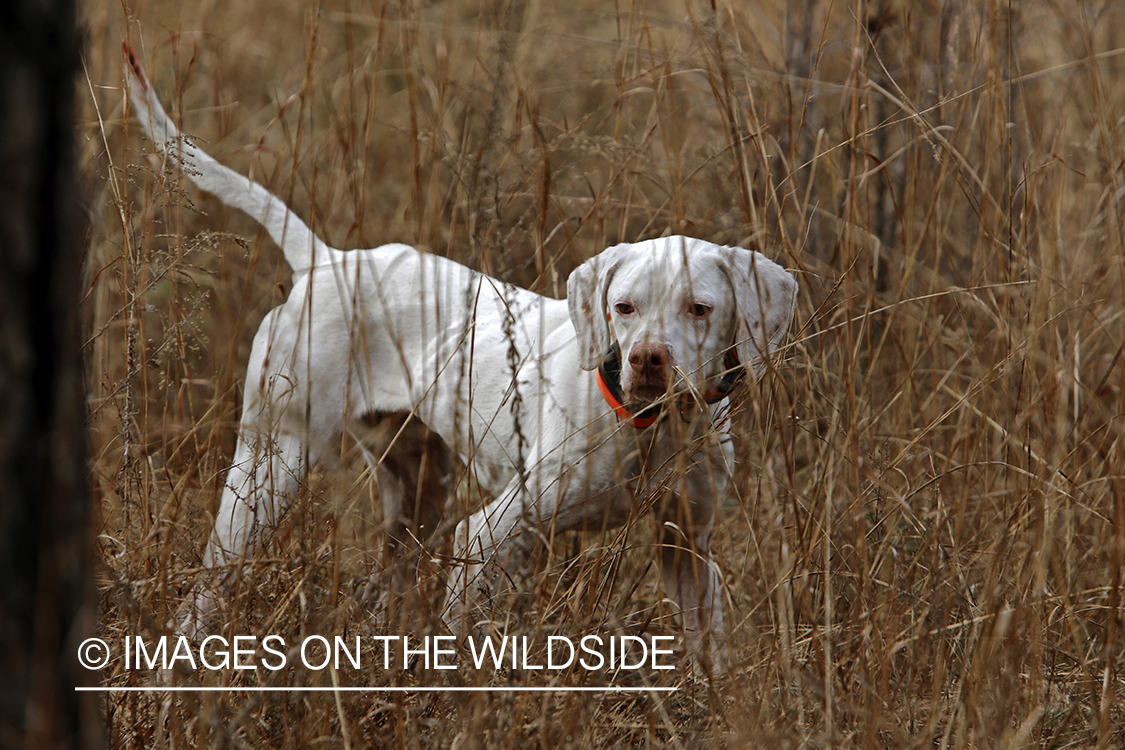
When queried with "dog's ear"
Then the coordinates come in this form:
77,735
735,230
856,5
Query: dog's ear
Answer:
764,295
586,291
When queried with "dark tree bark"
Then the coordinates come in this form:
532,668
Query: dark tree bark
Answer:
46,602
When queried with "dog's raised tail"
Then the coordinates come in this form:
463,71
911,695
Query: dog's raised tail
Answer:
302,248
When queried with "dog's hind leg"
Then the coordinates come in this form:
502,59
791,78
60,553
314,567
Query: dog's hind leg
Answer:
263,476
277,442
414,471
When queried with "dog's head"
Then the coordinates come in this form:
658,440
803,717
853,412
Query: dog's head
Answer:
675,306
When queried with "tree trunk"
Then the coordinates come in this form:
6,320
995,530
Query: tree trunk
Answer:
46,602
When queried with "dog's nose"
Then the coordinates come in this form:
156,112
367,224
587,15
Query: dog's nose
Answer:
649,359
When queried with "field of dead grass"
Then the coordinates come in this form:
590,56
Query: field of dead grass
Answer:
925,542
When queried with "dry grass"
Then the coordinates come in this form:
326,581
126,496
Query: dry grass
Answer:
926,543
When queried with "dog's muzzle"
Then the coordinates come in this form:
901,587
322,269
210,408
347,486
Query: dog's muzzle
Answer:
608,377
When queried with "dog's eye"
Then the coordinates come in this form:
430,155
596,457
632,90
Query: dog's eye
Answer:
700,310
623,308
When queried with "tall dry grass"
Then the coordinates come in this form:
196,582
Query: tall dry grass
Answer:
925,542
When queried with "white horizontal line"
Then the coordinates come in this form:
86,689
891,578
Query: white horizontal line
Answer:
389,689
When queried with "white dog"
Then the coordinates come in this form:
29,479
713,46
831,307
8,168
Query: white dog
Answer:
570,414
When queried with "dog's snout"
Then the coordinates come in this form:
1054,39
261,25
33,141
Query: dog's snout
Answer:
649,359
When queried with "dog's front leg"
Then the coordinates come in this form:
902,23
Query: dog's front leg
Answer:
492,548
488,546
692,581
691,576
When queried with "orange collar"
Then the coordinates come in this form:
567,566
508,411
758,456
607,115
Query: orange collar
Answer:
608,376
